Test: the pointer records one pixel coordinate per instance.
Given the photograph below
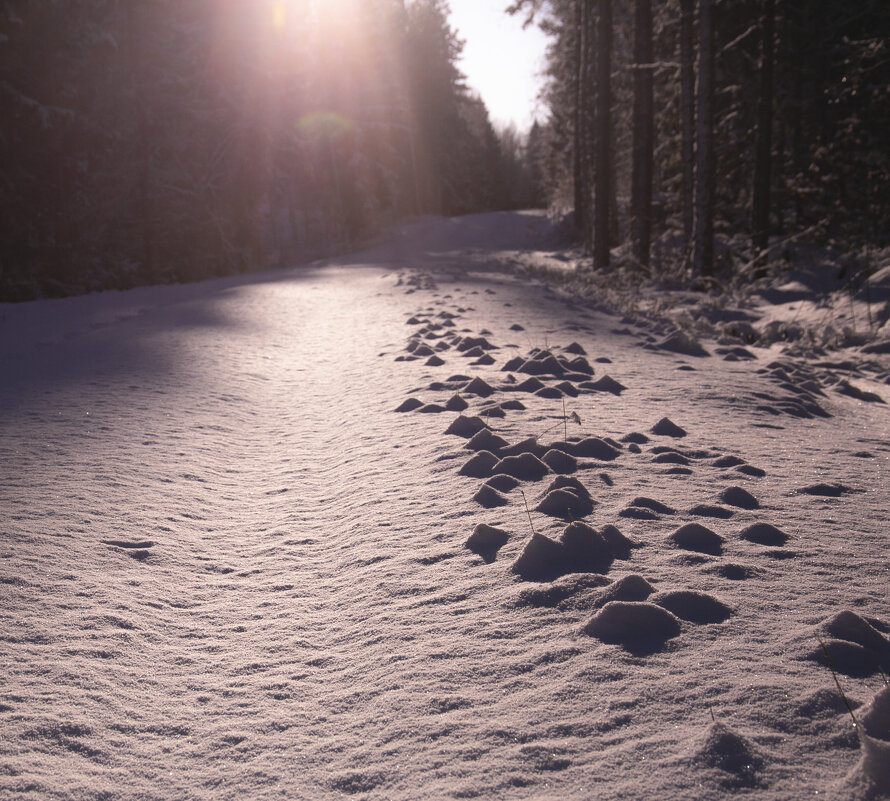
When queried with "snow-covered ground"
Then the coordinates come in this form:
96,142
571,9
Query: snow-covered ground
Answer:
229,568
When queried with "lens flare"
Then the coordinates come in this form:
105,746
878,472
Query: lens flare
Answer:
323,125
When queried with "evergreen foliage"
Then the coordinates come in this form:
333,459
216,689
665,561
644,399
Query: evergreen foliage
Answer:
167,140
776,130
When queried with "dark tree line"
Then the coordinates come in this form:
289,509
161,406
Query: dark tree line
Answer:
698,132
170,140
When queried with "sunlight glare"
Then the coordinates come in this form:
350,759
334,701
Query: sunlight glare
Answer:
279,16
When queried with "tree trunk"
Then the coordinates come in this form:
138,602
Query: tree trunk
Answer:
138,61
703,254
589,118
763,147
687,116
643,134
603,134
581,190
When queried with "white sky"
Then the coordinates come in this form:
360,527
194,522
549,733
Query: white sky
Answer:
502,61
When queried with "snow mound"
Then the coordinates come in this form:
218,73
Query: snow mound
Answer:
456,403
655,506
594,448
764,534
667,428
750,470
580,549
825,490
604,384
728,461
528,445
465,427
486,440
480,387
638,626
513,406
696,607
845,657
870,778
525,466
566,504
560,461
489,497
731,754
544,364
854,645
737,496
562,590
638,513
568,388
844,387
670,457
585,549
530,385
710,510
542,559
486,541
735,572
682,343
409,405
847,625
502,483
628,588
695,537
571,483
479,466
493,411
621,546
874,718
469,343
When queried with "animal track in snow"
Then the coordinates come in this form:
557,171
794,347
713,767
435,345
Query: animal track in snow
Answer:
135,549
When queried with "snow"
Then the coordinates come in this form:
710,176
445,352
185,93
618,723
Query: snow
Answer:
229,568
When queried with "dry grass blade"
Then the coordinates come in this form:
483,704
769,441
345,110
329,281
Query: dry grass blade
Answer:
838,685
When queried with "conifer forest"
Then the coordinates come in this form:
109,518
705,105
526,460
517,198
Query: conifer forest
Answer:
160,141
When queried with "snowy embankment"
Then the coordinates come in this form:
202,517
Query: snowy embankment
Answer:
231,569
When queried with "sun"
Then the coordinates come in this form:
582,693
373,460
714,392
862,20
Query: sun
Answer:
289,12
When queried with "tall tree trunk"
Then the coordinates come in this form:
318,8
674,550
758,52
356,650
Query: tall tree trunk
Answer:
687,116
138,60
589,115
581,189
764,143
603,134
703,254
643,134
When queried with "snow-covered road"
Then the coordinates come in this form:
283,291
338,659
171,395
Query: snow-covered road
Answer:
228,568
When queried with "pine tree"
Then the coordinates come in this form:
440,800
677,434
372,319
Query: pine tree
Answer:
643,133
603,138
703,254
